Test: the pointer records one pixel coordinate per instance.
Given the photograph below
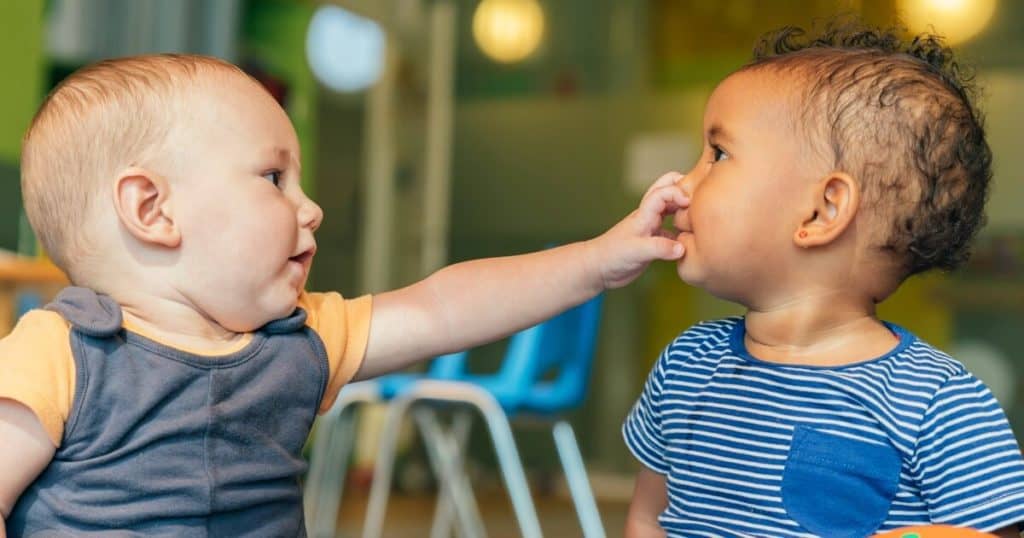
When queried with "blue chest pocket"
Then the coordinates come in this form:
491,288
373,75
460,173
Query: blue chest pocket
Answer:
838,487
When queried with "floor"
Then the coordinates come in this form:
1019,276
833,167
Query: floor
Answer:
410,515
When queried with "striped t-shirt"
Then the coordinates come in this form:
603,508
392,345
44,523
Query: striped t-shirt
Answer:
750,447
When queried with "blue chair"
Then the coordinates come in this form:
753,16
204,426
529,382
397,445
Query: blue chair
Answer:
335,434
523,386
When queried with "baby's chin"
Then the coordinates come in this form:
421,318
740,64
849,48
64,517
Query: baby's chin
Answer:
692,282
699,277
694,274
283,311
252,320
247,325
688,271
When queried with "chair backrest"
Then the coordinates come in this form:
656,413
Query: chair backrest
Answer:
450,366
563,345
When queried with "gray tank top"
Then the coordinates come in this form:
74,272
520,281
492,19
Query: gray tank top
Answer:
161,442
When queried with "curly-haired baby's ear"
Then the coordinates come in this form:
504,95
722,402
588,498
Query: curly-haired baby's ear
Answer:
830,211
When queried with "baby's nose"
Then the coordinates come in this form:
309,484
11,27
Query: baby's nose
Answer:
310,215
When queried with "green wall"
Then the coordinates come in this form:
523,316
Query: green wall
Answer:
274,37
21,55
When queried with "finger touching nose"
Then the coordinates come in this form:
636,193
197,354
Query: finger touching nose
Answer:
687,183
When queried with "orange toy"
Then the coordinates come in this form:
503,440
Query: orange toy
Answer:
934,531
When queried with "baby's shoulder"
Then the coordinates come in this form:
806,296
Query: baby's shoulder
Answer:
702,339
920,358
708,332
35,329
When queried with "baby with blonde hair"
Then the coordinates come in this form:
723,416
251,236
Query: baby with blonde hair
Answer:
107,117
169,391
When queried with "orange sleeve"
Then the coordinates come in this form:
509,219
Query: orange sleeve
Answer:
344,326
38,370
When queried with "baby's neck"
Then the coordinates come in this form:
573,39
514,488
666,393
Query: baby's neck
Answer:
176,322
821,329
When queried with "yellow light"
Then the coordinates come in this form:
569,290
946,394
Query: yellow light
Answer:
957,20
508,30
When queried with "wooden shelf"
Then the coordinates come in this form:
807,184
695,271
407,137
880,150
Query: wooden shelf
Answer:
20,271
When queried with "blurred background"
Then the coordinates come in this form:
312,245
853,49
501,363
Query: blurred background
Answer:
435,131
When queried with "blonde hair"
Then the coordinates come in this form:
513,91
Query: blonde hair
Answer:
101,119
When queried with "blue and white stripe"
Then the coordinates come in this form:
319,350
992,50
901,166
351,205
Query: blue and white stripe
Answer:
718,423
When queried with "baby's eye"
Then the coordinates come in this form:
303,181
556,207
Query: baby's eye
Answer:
717,154
273,176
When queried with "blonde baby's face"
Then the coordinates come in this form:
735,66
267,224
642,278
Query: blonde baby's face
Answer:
746,190
246,225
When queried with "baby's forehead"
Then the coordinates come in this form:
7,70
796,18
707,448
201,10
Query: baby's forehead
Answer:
752,96
235,111
217,88
228,98
767,86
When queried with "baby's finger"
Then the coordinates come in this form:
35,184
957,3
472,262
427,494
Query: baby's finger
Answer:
664,181
664,200
652,212
649,219
666,249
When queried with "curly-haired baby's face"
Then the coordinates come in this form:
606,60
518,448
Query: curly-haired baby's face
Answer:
750,189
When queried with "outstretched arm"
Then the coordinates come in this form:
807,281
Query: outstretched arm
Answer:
24,453
471,303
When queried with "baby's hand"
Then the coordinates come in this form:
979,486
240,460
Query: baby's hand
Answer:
624,251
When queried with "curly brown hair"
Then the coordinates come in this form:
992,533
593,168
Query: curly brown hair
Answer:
900,116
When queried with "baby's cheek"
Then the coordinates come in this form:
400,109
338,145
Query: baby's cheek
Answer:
278,220
716,222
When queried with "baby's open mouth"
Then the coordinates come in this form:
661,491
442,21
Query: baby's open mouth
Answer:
305,257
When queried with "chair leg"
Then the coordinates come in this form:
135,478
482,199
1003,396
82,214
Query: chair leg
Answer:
512,469
504,444
463,421
383,468
442,524
576,477
456,492
325,480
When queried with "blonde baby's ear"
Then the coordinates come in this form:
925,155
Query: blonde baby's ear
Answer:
141,201
833,207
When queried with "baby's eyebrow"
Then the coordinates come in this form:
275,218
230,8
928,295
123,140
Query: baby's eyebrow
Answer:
718,133
280,154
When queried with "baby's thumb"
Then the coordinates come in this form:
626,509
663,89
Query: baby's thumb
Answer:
667,249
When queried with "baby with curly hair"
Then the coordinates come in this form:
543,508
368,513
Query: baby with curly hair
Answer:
834,167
